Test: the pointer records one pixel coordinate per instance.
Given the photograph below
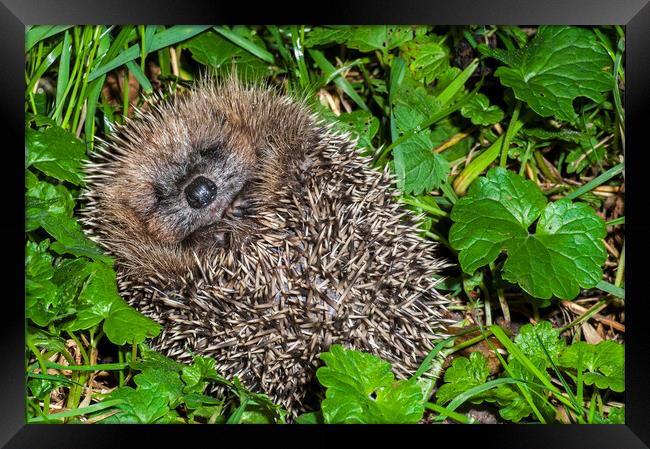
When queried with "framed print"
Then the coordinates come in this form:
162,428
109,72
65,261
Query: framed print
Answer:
369,214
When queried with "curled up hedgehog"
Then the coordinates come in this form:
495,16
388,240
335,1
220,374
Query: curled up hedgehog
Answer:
257,235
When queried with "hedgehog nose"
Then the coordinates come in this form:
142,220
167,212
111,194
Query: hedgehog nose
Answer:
200,192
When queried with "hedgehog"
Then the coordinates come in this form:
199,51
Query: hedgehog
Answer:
257,233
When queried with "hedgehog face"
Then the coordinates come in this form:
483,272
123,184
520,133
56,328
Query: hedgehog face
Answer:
194,191
193,175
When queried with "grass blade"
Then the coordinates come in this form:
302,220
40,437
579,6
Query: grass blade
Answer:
275,32
598,180
246,44
397,71
474,391
611,289
140,76
40,32
64,73
299,54
445,412
329,70
77,412
47,62
237,414
162,39
457,84
481,162
94,89
175,34
149,32
127,55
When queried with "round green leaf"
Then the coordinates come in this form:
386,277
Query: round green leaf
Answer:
479,111
565,253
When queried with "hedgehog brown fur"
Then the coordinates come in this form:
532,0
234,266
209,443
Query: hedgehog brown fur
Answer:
303,245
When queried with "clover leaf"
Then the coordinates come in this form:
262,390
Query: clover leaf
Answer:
362,389
564,254
558,65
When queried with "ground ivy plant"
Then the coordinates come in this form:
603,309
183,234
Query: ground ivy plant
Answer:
564,253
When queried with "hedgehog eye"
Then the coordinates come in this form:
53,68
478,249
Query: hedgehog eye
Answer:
212,152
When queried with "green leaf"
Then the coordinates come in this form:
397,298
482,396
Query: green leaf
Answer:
535,341
70,238
565,253
368,38
498,207
50,290
327,35
558,65
42,339
479,111
96,298
141,406
41,294
50,207
44,199
412,104
615,416
125,325
463,374
310,418
195,376
362,389
211,49
361,124
150,359
164,382
569,242
426,58
56,153
604,363
467,373
100,300
417,167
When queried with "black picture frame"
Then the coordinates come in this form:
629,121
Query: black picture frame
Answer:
634,14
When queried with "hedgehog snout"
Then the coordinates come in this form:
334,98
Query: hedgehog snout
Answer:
200,193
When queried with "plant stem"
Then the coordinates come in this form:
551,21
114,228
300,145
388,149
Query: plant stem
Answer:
509,134
620,270
41,362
